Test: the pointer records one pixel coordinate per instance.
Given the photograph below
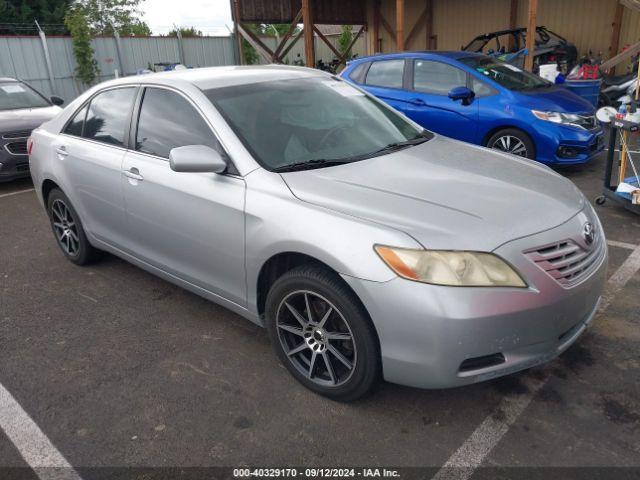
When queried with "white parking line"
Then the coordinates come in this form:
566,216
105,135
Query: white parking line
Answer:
462,464
34,446
628,246
17,193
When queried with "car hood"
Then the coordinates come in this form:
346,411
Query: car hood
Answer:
554,99
446,194
26,118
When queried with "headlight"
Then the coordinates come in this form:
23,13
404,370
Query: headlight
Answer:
454,268
562,118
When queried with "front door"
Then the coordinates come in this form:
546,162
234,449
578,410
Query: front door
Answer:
190,225
430,106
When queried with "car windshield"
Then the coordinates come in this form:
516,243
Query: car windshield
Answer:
15,95
311,122
505,74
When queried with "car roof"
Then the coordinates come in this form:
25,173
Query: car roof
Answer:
217,77
451,54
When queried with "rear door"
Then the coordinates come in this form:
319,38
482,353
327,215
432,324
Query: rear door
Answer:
190,225
91,150
429,105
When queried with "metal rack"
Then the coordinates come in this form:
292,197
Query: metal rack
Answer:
609,191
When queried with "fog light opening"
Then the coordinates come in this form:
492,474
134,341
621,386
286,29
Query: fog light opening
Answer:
477,363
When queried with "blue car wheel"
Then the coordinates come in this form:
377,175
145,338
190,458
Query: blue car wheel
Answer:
512,141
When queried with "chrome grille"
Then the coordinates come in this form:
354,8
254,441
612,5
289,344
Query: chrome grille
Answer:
567,261
17,148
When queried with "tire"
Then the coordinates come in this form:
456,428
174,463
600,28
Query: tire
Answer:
346,330
68,231
512,140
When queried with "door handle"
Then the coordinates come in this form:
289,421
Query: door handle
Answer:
62,151
134,174
418,101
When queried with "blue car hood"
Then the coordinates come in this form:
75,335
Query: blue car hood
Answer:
554,99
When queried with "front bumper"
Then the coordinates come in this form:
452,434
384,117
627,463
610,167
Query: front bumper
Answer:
14,163
562,145
427,332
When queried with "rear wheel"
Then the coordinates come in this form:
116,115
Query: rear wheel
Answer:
68,229
514,141
322,334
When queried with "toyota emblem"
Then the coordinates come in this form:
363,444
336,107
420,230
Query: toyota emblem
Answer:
589,233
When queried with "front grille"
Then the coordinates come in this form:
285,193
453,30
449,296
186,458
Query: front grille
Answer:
17,148
567,261
13,135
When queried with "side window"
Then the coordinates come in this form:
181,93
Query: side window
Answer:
480,88
357,75
386,73
74,127
437,78
167,120
108,116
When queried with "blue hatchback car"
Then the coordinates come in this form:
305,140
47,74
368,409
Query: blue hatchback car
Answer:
479,99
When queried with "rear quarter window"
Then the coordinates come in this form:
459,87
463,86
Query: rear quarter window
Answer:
359,72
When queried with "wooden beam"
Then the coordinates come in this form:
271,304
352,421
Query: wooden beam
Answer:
290,46
356,36
429,24
236,22
416,26
532,16
400,25
513,22
387,27
621,57
307,21
615,30
328,43
292,29
256,43
376,26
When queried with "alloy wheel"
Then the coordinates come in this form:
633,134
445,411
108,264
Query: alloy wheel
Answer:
316,338
510,144
65,228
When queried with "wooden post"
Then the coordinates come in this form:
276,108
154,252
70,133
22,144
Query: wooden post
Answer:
307,22
429,24
615,32
513,22
400,25
236,22
531,34
376,26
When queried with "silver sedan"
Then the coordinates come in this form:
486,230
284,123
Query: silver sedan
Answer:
368,247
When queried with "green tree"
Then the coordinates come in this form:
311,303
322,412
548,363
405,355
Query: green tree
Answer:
344,40
185,32
18,15
105,16
87,67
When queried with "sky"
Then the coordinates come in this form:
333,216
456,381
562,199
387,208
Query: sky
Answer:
212,17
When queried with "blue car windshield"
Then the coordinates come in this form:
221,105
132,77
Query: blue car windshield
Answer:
505,74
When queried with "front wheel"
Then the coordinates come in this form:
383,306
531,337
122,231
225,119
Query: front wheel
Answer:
511,140
322,334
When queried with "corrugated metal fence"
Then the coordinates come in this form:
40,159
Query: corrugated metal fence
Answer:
23,57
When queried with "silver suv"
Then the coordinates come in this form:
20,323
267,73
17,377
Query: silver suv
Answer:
368,247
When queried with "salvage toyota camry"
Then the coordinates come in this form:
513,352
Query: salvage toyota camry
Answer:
368,247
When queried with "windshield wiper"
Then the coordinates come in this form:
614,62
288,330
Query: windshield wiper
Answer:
398,145
309,164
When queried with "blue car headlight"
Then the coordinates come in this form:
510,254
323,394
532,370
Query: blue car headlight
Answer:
573,119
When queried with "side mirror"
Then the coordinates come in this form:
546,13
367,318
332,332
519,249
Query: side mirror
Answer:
196,158
462,93
56,100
